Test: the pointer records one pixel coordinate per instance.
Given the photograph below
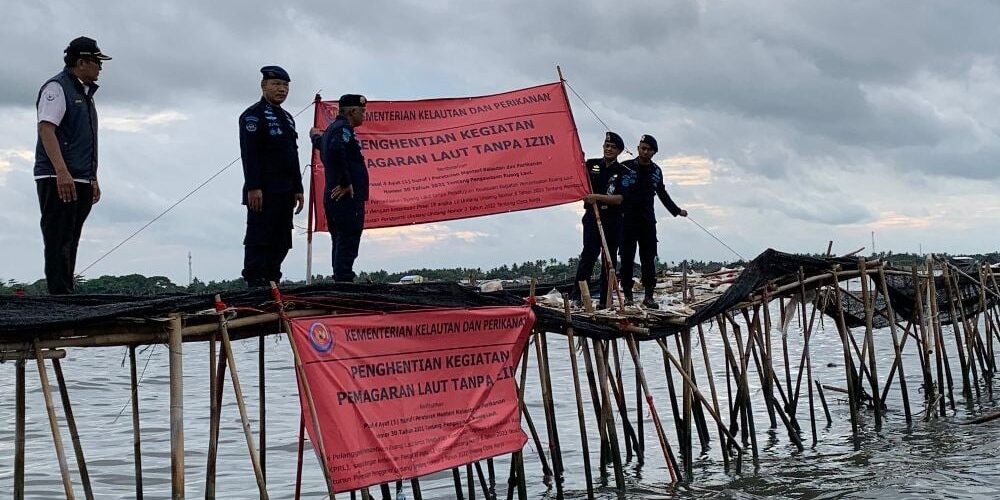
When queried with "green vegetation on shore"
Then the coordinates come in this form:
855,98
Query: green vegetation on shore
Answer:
543,270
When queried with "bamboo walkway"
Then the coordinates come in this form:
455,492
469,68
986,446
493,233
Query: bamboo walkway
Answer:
906,310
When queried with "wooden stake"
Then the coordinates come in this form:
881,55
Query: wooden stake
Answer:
579,398
807,334
964,363
136,433
609,418
81,462
213,425
662,436
54,424
261,393
942,354
867,298
176,406
541,349
715,396
848,360
308,392
238,390
19,416
897,347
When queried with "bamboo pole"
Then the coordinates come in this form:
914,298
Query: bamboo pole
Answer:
848,360
822,400
897,347
868,298
618,391
54,425
971,336
213,409
688,399
261,396
19,417
457,479
300,370
299,455
924,330
697,394
136,433
579,399
213,424
541,350
640,443
605,455
176,407
672,394
964,363
715,396
609,418
241,404
81,462
942,353
662,436
807,336
743,393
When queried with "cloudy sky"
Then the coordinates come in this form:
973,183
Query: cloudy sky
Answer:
781,124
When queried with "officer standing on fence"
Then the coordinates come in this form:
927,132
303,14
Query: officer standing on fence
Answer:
272,181
346,188
66,159
639,230
606,183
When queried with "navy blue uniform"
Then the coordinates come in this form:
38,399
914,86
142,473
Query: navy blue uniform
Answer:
270,163
344,165
604,179
639,226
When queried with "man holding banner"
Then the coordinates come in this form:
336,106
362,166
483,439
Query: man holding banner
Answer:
640,219
346,188
606,182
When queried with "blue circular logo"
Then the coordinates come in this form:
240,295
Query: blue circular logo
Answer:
320,337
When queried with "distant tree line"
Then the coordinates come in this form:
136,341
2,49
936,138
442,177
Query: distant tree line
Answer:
550,270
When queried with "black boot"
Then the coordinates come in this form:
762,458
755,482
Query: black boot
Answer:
628,298
649,303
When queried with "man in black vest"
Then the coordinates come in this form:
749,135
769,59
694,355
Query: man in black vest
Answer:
646,180
608,192
272,181
66,158
346,188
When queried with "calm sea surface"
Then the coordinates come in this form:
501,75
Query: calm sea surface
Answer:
942,458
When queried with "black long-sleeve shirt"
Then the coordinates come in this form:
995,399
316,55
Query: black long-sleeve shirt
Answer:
644,182
343,162
269,149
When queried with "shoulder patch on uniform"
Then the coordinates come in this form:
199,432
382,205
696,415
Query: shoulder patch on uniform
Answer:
250,123
346,136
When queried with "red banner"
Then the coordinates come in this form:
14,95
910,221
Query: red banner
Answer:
443,159
407,394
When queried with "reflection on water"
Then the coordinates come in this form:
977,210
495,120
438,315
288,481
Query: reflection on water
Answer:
936,459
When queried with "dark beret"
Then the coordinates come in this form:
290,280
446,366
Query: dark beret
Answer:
275,73
615,139
650,141
350,100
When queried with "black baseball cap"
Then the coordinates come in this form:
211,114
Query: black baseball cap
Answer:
86,47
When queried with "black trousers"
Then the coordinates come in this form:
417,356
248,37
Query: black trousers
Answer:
268,239
643,236
592,251
346,221
62,224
